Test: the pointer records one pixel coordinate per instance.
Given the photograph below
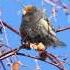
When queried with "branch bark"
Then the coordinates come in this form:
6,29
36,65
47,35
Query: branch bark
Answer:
63,29
22,54
9,27
9,53
15,51
17,32
2,65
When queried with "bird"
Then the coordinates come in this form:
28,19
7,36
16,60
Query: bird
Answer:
34,28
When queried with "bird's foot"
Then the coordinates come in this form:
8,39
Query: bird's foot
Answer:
26,45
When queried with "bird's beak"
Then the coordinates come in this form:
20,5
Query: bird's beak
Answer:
24,12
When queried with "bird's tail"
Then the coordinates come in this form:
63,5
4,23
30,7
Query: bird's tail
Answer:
57,42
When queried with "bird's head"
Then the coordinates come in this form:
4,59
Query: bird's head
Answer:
28,10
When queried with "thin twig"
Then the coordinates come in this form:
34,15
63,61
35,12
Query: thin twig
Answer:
63,29
2,65
9,27
17,32
15,51
9,53
22,54
12,52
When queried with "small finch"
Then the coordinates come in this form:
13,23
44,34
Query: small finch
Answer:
35,29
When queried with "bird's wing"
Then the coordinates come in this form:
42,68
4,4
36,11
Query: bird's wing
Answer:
47,27
51,33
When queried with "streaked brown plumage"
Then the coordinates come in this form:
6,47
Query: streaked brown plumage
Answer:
35,29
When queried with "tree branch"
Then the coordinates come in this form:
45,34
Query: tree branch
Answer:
9,27
15,51
63,29
22,54
17,32
9,53
2,65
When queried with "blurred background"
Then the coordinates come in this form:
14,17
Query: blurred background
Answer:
58,12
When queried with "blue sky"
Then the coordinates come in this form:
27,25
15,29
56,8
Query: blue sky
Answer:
11,13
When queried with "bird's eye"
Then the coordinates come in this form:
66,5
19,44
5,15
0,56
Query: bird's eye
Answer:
30,13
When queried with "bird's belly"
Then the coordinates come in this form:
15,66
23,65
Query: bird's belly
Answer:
38,34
